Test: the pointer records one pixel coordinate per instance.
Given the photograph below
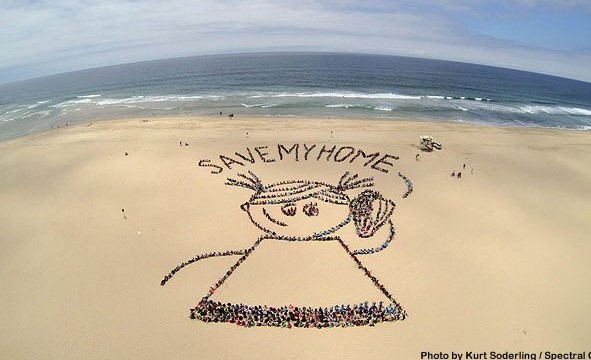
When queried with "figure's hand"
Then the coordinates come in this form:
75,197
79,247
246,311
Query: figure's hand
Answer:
381,239
370,210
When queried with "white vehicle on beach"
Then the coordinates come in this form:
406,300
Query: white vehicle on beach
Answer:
428,144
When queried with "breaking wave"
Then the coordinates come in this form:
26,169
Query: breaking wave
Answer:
555,110
356,95
100,101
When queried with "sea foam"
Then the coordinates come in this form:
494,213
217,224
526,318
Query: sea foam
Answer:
101,101
555,110
345,95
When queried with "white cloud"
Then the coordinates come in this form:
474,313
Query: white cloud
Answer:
477,5
54,36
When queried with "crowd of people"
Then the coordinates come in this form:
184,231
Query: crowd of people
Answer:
293,316
290,316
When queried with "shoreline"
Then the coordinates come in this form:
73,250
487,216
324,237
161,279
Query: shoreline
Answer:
237,118
278,119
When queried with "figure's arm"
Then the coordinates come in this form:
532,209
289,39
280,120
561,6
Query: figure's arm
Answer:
197,258
380,247
243,252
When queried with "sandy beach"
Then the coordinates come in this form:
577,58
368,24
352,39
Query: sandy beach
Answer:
93,216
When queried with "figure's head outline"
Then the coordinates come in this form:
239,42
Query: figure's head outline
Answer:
294,197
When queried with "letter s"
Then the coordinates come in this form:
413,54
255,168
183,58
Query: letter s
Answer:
206,163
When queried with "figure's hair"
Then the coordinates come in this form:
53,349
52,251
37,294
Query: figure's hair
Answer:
351,182
294,190
252,182
370,210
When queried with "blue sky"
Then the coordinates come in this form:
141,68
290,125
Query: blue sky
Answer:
44,37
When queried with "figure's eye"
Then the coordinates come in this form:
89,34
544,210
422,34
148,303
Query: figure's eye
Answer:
311,209
289,209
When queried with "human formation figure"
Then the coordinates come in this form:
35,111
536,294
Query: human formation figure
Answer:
319,210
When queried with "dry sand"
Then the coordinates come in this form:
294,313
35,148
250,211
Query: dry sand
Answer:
495,261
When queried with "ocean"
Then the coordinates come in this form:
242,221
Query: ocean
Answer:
297,85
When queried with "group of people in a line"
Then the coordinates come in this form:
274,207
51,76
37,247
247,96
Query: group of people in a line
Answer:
197,258
371,277
409,187
293,316
378,248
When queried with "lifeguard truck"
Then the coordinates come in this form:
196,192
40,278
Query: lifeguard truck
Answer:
428,144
